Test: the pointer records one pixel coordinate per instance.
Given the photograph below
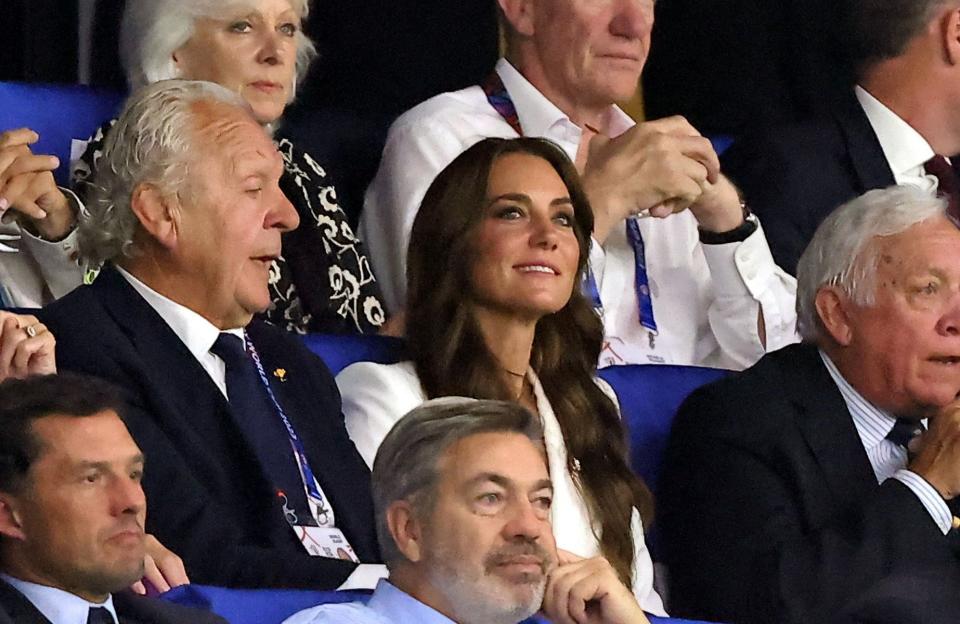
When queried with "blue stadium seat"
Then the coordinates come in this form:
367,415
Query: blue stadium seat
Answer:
339,352
272,606
649,396
59,113
721,143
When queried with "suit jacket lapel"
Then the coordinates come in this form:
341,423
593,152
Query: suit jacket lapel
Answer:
828,428
173,371
157,343
866,156
18,608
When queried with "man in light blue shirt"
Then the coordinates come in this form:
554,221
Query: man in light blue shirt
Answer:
72,509
462,498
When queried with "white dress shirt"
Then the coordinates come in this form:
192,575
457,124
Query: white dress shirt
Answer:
57,605
905,150
34,272
705,297
887,458
376,396
198,335
196,332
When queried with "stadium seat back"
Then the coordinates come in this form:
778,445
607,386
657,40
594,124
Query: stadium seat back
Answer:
649,396
60,114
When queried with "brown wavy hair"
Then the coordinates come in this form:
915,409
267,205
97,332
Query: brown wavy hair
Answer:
452,358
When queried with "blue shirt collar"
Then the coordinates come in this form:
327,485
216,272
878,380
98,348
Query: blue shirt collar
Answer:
57,605
396,605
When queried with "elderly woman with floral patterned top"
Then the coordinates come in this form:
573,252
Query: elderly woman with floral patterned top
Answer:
323,281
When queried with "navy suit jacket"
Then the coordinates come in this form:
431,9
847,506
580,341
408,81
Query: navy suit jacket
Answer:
770,510
15,608
792,177
209,499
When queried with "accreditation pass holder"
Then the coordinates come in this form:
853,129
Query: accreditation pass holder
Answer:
329,542
322,539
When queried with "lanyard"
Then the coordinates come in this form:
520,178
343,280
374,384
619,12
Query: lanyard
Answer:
499,99
306,473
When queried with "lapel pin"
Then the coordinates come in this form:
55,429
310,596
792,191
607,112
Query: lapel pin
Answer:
281,374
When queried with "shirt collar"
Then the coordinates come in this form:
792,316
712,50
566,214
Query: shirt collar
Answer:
904,148
57,605
872,423
396,605
196,332
539,117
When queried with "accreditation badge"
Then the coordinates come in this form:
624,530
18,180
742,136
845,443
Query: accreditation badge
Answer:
328,542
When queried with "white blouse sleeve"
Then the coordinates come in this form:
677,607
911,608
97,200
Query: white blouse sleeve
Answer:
375,397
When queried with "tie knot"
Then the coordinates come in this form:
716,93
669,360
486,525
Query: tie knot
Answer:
905,430
100,615
230,349
938,166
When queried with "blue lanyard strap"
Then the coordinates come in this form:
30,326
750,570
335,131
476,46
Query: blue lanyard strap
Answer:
306,473
642,281
500,100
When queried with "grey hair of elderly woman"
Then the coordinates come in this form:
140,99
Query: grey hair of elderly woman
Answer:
151,142
152,30
842,253
407,463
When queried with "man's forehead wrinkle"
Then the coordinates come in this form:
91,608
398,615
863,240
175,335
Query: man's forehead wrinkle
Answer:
239,152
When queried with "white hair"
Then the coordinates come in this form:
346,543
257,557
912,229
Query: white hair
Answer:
152,30
842,252
151,142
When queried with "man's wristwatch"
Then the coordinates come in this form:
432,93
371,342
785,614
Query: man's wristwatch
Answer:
737,234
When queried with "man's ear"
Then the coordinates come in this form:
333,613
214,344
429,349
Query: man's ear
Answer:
949,31
158,213
833,308
10,525
519,13
406,530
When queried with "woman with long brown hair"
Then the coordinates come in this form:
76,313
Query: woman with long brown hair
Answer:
494,311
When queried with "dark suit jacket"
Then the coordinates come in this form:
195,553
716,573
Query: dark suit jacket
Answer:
770,510
209,500
793,176
131,609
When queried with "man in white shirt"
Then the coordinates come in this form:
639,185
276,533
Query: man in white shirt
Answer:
822,482
255,482
72,508
694,284
463,500
899,116
38,246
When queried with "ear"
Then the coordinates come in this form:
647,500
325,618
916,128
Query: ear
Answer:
949,31
519,13
158,213
10,525
833,309
406,530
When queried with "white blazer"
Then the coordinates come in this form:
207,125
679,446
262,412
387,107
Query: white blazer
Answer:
376,396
